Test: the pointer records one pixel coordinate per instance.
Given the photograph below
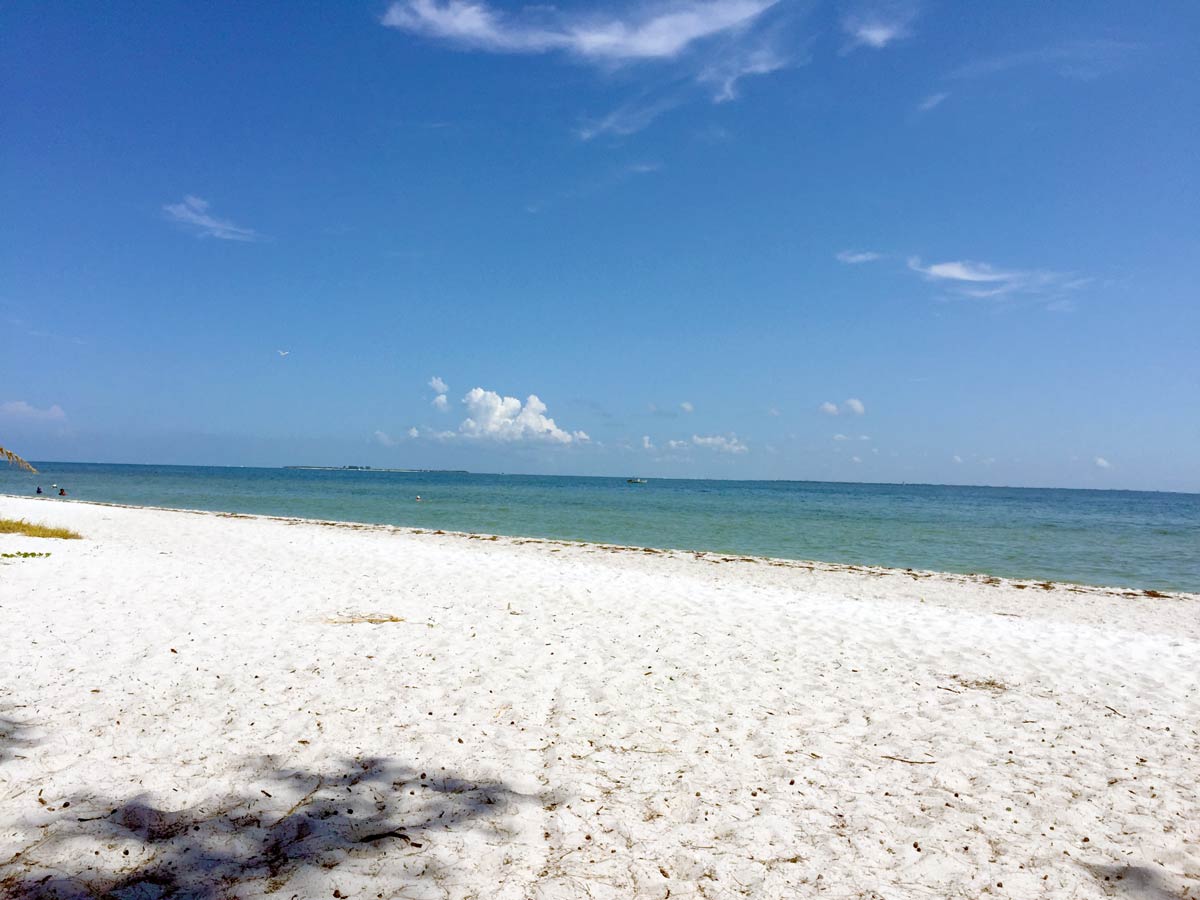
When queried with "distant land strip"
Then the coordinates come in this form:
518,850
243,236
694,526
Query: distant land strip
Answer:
373,469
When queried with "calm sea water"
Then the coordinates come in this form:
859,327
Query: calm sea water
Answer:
1126,538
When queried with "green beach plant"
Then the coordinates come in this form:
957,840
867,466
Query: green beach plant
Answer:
13,460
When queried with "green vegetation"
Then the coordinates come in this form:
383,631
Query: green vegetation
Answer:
25,555
29,529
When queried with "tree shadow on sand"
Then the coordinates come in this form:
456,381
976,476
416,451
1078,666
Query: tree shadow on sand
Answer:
14,737
286,824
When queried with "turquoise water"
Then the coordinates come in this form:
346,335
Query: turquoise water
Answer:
1125,538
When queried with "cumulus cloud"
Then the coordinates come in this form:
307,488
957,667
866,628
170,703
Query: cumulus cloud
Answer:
857,257
840,437
1102,463
678,445
441,403
878,24
385,439
439,386
855,406
981,281
20,410
687,407
647,444
830,409
720,442
651,32
193,213
493,417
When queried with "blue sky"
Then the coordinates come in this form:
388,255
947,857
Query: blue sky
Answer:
878,241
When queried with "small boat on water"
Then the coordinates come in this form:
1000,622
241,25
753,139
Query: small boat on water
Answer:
635,480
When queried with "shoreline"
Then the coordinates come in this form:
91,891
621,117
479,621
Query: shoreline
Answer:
196,701
712,555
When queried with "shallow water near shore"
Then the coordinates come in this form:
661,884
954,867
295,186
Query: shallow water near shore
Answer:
1120,538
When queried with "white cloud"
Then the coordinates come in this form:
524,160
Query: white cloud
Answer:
1083,60
493,417
1102,463
855,406
22,411
725,73
856,257
840,437
721,443
879,25
441,403
193,212
678,445
773,411
980,280
627,119
647,444
660,32
855,459
956,459
439,386
933,100
864,437
385,439
687,407
830,409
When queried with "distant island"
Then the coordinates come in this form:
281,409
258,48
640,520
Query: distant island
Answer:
373,469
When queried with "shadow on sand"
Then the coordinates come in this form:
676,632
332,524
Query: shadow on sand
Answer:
288,824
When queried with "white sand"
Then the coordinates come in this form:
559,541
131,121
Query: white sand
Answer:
555,720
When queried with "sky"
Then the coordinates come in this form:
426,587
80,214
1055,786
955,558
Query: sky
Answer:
857,241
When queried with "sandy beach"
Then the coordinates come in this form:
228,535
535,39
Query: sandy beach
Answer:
206,705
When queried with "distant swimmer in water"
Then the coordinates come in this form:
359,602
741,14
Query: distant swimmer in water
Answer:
39,490
418,498
62,492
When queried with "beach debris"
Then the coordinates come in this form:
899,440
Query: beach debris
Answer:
365,618
912,762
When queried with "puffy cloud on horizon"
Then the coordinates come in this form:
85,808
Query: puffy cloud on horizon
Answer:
652,32
1102,463
193,213
720,443
385,439
492,417
23,411
439,386
441,403
852,406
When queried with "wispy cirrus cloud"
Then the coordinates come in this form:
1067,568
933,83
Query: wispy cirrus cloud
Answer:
1079,59
982,281
932,101
648,33
875,25
193,213
710,44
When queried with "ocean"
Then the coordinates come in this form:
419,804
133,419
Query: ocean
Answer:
1118,538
